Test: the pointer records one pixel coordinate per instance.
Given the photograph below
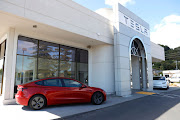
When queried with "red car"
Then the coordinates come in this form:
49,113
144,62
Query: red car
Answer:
52,91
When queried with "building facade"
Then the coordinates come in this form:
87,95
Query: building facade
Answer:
110,49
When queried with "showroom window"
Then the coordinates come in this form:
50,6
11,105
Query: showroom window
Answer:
67,62
26,65
48,60
82,66
37,59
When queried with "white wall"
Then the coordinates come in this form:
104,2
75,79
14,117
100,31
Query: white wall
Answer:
63,14
157,52
101,69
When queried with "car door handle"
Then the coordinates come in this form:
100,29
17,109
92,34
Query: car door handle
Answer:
68,89
47,89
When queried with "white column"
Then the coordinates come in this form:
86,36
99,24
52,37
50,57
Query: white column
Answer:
9,68
121,58
135,72
144,75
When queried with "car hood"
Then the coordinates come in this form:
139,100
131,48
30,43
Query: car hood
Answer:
158,81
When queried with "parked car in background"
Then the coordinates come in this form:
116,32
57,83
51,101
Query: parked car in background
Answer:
52,91
174,79
160,82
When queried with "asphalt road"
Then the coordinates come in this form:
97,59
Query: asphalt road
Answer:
165,106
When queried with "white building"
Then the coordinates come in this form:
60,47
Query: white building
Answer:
171,73
51,38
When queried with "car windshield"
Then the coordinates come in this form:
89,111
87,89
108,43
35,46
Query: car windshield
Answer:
158,78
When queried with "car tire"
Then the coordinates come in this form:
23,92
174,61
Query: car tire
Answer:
97,98
37,102
167,88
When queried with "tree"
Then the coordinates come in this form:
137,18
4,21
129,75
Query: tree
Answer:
172,56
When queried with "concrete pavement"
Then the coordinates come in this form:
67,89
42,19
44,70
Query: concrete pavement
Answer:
162,106
54,112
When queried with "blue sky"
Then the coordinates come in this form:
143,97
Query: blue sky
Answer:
163,16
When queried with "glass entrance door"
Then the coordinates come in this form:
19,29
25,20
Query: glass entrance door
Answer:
2,59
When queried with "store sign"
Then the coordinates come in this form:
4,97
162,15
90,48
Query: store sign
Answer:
133,24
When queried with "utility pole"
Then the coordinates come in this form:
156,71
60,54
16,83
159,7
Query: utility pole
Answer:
176,64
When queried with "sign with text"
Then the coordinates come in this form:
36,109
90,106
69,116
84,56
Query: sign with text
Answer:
133,24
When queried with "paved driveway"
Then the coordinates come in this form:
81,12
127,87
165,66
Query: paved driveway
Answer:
8,112
162,106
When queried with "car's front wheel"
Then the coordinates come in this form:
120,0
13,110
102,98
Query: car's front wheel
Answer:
37,102
97,98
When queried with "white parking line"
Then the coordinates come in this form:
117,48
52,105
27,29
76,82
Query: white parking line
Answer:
167,95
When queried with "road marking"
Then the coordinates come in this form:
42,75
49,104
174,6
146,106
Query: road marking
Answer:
145,93
166,95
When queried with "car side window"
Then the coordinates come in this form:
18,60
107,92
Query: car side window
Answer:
71,83
39,83
52,82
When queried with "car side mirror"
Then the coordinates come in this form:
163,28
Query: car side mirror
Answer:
83,86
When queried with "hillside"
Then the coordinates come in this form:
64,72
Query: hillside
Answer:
172,58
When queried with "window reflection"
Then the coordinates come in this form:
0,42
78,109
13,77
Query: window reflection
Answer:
47,68
67,53
2,62
71,83
27,46
48,50
82,72
26,69
67,69
82,56
2,50
38,59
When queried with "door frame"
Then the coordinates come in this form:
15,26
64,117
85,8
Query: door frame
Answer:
1,90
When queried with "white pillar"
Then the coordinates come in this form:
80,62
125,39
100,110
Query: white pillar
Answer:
121,58
135,72
9,68
144,75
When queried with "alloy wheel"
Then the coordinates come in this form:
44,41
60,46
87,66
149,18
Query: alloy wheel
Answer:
98,98
37,102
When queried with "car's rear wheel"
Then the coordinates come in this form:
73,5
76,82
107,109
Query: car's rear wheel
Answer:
97,98
37,102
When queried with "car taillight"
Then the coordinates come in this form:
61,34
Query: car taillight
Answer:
21,89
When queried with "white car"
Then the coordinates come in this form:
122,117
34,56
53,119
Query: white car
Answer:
174,79
160,82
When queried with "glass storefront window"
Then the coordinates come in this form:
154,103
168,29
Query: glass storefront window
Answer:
67,53
27,46
67,69
82,56
1,74
26,69
2,62
48,50
2,50
47,68
82,72
37,59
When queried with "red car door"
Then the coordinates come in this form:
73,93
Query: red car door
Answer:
74,92
55,92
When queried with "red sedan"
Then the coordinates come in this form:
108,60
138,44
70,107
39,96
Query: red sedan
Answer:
52,91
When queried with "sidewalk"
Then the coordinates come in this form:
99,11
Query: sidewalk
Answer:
19,112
